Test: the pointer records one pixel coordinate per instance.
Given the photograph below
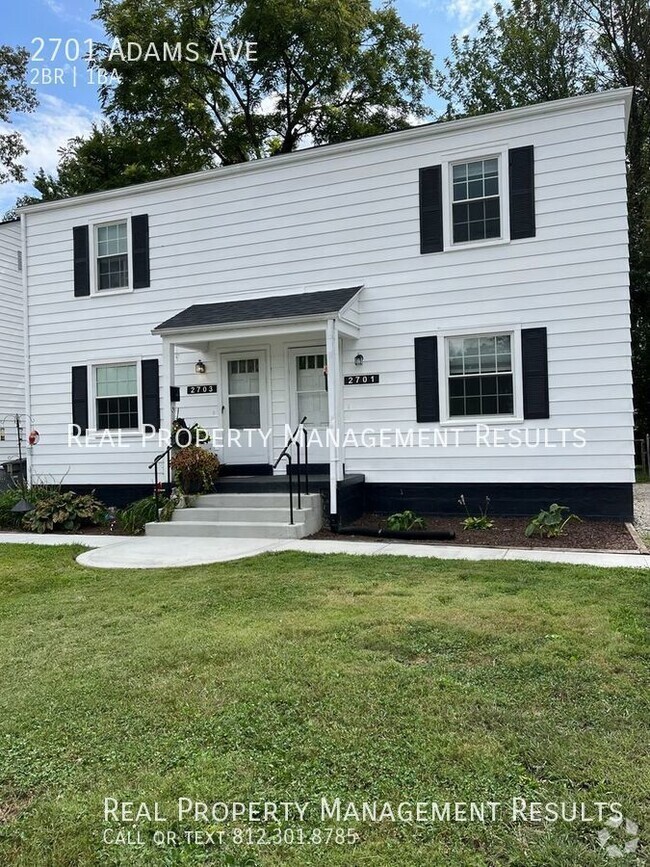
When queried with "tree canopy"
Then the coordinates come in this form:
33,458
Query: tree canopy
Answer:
322,71
15,96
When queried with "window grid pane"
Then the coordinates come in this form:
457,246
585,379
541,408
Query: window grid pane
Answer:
116,380
111,240
115,413
476,204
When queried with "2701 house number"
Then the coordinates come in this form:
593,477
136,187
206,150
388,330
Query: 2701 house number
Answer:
360,378
201,389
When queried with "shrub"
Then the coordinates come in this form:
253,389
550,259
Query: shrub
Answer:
8,499
195,469
132,519
10,520
477,522
64,511
406,520
550,523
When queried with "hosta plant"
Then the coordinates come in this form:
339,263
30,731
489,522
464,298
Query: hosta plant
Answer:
476,522
550,523
64,512
403,521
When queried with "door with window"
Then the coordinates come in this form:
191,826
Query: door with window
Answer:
309,398
245,408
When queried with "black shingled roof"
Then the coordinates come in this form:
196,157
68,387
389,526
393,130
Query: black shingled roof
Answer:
255,309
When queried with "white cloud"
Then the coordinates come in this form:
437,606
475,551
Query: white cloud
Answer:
467,13
57,8
44,132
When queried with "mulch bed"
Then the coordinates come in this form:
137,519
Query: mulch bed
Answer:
507,533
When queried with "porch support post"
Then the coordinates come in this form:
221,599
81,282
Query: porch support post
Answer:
168,379
333,405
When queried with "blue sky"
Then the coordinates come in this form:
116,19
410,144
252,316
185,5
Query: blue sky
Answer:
68,106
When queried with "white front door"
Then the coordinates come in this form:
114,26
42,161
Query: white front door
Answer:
309,398
245,408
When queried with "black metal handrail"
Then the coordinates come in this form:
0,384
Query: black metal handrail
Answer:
154,466
285,454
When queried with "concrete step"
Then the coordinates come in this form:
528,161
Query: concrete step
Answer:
256,501
227,529
213,514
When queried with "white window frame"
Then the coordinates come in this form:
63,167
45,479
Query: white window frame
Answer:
94,269
517,384
92,409
500,153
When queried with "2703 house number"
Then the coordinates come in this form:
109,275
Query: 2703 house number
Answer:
201,389
360,378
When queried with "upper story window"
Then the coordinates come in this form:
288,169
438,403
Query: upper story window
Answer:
116,396
476,208
480,375
112,248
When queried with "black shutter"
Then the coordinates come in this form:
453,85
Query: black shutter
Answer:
534,358
521,168
427,403
81,261
80,398
431,210
140,241
150,393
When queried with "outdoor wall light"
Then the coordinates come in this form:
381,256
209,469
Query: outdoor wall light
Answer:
358,360
199,367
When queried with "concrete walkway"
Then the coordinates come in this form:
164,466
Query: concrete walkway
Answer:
125,552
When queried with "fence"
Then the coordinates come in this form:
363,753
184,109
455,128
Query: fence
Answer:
642,454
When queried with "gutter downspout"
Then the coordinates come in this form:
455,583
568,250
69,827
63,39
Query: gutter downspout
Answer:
333,385
26,361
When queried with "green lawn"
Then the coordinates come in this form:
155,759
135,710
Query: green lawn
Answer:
290,677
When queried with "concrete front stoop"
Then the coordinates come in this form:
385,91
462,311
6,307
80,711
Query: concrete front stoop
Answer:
243,516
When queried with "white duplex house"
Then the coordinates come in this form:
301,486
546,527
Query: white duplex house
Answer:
12,338
450,302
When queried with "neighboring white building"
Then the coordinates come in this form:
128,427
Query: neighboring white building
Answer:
12,340
473,276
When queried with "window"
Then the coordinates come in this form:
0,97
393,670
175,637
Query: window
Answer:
475,201
480,375
244,394
116,396
311,389
112,256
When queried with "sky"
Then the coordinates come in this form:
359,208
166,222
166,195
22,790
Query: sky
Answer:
68,102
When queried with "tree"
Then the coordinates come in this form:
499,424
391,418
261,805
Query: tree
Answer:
15,96
532,51
536,50
323,71
116,156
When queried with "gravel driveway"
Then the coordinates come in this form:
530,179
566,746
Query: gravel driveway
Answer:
642,506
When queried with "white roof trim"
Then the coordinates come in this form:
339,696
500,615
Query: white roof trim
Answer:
423,131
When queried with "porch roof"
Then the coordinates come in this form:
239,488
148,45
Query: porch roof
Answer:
295,306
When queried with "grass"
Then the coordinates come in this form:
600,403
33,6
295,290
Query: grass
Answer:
291,677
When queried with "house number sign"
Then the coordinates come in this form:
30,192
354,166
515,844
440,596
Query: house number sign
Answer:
360,378
201,389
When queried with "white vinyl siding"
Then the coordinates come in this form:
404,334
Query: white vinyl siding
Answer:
12,352
342,217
